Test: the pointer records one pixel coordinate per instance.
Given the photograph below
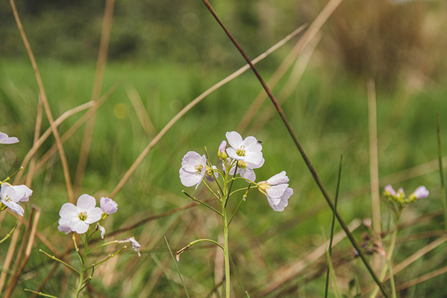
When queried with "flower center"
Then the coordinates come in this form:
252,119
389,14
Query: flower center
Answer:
241,164
263,185
241,151
199,168
83,215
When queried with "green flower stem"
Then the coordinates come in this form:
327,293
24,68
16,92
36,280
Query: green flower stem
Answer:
240,202
211,169
226,254
9,234
40,293
83,269
108,258
441,173
209,188
104,244
208,240
204,204
227,197
389,253
393,286
60,261
9,178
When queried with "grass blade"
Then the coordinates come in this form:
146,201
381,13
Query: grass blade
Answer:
441,173
176,267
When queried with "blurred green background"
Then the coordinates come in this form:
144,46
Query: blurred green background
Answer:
171,52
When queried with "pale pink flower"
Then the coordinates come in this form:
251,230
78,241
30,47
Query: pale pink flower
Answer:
193,169
4,139
247,150
80,216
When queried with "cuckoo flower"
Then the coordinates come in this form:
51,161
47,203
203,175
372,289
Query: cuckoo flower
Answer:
193,169
245,169
248,150
4,139
80,216
420,193
277,191
221,152
10,198
108,206
135,245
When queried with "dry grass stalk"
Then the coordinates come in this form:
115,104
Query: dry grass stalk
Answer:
411,259
285,273
373,156
9,256
97,86
288,61
29,178
421,279
290,86
45,103
22,246
13,283
140,110
192,104
44,136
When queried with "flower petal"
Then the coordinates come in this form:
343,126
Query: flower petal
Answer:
79,226
69,211
86,202
234,139
421,192
280,178
276,191
189,179
93,215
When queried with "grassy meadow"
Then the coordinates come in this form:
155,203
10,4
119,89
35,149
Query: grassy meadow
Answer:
328,109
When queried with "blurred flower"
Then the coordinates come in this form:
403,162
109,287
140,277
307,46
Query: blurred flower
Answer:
4,139
210,174
80,216
245,169
248,150
64,225
108,206
11,199
22,191
277,191
389,190
103,231
420,193
193,169
135,244
221,152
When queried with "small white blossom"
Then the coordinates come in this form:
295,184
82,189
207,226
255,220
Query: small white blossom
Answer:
245,169
103,231
23,192
79,216
108,205
277,191
247,150
10,198
4,139
193,169
135,245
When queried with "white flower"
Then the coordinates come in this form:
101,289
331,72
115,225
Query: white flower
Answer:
135,244
11,199
4,139
103,231
79,216
248,150
23,192
64,225
108,206
193,169
246,169
277,191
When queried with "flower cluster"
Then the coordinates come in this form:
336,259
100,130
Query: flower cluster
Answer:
242,157
399,198
12,195
79,218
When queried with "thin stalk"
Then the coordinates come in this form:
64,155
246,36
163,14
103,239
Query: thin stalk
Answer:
60,261
9,178
393,286
332,228
441,173
83,269
211,169
389,254
227,197
182,250
178,271
9,234
108,258
303,153
226,253
240,202
40,293
204,204
212,191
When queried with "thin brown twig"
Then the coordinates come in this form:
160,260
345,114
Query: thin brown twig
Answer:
97,86
422,278
292,56
45,103
29,178
22,246
14,280
9,256
192,104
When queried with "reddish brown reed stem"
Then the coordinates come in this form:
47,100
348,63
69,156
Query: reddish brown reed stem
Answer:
99,76
301,150
45,103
